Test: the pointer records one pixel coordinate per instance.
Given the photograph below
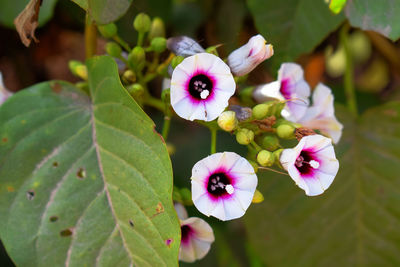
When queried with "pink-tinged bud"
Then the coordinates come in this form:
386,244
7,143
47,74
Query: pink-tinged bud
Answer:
184,46
244,59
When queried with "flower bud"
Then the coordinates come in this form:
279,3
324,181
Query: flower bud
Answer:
137,58
176,61
108,30
157,28
285,131
142,23
227,121
265,158
113,49
277,155
184,46
136,90
270,142
258,197
78,69
129,77
244,59
244,136
158,44
260,111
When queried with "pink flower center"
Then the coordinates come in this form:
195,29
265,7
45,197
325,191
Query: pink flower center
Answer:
285,89
306,162
187,232
219,184
200,86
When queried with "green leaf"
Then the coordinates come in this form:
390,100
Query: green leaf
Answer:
9,10
337,5
381,16
84,182
293,27
356,222
104,11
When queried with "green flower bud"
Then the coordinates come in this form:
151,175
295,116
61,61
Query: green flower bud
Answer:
142,23
270,142
277,157
137,58
129,77
113,49
78,69
260,111
244,136
285,131
227,121
136,90
108,30
158,44
258,197
265,158
157,28
176,61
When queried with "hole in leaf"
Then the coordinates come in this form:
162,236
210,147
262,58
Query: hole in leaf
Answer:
131,223
55,164
66,232
81,173
30,194
53,218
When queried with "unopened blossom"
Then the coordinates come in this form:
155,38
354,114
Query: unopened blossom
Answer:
196,236
4,93
200,87
290,87
244,59
223,185
312,164
321,115
184,46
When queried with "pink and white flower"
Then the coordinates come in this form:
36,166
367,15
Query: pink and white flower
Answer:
201,86
312,164
223,185
244,59
321,115
4,93
196,236
290,87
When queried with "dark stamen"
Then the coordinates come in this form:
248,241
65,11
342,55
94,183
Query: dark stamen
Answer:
200,86
217,184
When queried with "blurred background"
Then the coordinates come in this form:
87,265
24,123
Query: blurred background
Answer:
357,221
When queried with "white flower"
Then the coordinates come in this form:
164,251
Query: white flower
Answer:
197,236
184,46
290,86
312,164
4,93
223,185
201,86
244,59
321,115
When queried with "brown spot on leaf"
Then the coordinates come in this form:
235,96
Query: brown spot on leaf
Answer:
55,164
53,218
4,140
81,173
30,194
56,87
390,112
10,188
131,223
66,232
27,22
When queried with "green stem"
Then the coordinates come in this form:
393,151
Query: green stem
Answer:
213,140
122,43
155,103
140,39
256,147
349,72
166,126
90,37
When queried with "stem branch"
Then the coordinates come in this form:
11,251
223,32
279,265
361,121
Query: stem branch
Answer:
213,140
90,37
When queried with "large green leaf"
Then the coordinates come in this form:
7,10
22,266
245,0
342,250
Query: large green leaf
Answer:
356,222
9,10
104,11
381,16
293,26
84,182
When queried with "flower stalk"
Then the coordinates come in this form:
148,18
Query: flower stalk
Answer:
90,37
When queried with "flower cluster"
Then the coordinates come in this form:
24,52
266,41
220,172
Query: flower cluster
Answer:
224,184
